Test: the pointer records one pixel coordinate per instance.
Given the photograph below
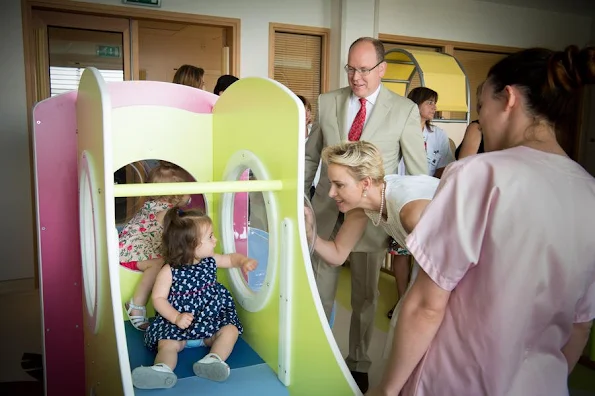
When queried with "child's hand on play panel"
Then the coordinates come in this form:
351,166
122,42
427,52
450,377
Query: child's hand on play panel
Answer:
184,320
249,265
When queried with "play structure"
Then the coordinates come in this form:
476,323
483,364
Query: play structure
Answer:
247,163
441,72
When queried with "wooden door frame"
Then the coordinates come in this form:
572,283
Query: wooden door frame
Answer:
83,21
232,40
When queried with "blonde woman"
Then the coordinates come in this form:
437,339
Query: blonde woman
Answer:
362,192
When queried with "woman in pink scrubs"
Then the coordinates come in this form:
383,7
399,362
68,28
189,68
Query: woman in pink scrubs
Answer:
506,298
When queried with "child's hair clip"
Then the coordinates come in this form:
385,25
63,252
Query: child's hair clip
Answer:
180,212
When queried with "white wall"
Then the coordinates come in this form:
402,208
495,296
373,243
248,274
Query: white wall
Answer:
459,20
483,22
16,230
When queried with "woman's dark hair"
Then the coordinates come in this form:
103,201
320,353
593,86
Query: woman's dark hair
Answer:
551,82
224,82
305,101
421,94
182,233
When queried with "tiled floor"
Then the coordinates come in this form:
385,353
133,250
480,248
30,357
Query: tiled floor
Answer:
341,332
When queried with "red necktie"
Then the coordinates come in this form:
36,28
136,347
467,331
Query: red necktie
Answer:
358,123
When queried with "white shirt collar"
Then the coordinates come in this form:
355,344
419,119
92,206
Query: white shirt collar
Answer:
371,99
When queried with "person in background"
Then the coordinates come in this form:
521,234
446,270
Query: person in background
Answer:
223,83
473,139
191,76
439,155
308,108
140,241
505,298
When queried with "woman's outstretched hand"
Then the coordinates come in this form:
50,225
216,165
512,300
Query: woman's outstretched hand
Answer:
309,219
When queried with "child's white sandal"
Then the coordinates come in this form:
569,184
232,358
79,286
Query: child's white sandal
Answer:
139,322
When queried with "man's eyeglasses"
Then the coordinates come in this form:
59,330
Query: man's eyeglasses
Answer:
363,72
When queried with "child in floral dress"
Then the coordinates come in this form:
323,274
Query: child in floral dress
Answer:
140,241
193,309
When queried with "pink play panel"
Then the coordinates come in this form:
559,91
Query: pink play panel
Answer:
157,93
240,220
60,272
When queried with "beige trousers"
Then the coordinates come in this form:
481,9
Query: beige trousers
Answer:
365,271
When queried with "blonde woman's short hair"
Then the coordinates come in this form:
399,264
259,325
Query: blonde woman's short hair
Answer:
362,159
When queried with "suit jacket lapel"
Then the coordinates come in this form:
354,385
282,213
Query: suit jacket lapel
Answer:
342,102
379,112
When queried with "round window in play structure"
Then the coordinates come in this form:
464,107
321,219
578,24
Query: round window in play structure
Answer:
248,227
144,172
250,216
88,224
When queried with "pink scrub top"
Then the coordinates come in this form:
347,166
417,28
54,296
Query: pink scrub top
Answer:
512,235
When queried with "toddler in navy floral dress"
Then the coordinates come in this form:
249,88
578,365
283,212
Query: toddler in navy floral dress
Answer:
193,309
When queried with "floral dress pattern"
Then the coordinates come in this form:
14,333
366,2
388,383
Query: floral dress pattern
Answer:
140,240
195,289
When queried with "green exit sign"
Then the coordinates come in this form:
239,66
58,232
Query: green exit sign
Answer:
108,51
148,3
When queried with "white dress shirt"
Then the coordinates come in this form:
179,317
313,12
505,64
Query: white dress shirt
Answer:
354,107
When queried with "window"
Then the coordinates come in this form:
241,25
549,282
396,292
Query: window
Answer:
64,79
299,60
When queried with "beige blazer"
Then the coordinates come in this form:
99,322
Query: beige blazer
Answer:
394,126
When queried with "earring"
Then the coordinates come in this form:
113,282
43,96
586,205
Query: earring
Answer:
365,194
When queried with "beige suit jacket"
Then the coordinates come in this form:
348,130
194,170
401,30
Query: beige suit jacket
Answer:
394,126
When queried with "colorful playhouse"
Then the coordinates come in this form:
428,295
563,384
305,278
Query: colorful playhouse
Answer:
247,164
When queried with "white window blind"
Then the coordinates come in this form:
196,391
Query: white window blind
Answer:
64,79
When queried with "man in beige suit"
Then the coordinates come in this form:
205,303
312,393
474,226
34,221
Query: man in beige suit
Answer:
365,110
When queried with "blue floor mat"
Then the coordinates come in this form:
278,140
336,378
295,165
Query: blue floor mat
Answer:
246,381
139,355
250,375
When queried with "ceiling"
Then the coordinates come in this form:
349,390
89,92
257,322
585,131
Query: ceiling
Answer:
580,7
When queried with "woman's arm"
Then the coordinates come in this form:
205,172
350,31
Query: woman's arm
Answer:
448,155
576,344
160,293
411,213
335,252
471,141
419,319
